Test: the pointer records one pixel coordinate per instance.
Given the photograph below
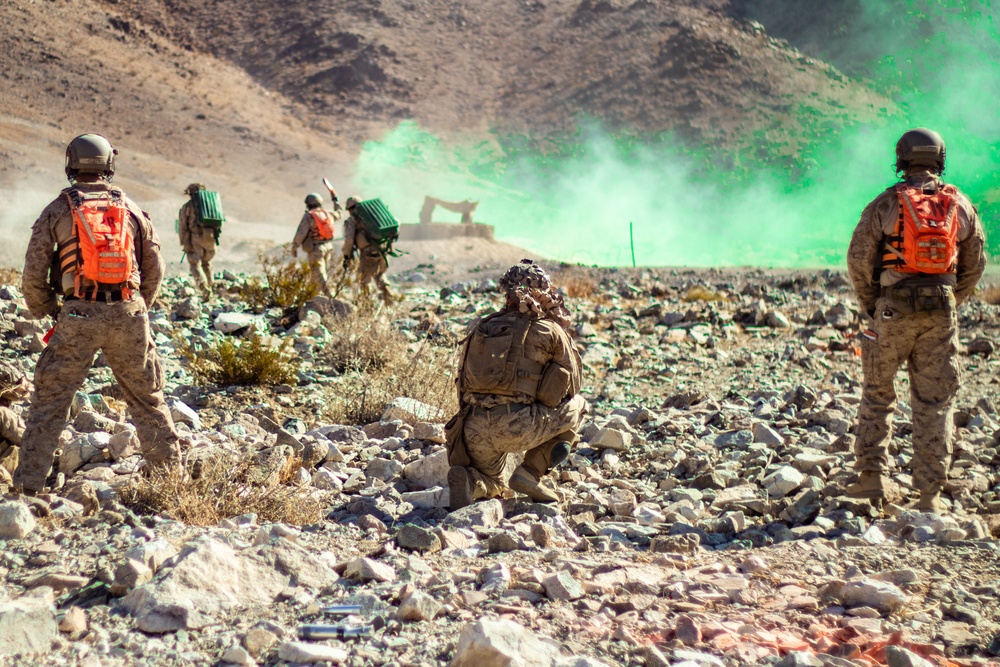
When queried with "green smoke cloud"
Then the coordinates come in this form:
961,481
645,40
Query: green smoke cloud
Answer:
749,205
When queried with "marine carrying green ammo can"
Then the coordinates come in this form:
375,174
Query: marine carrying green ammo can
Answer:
378,221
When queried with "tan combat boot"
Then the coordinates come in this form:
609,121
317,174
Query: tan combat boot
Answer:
463,490
870,486
525,481
930,501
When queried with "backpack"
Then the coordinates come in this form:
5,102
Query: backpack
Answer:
494,361
926,234
322,224
208,211
106,245
380,227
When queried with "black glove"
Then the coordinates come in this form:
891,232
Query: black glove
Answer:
346,262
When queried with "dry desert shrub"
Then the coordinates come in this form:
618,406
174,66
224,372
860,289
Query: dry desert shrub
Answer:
363,341
701,293
10,277
249,361
577,283
989,294
284,285
226,486
425,374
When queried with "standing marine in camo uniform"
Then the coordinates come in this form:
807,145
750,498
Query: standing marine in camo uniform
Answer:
94,248
916,254
314,235
197,241
518,391
372,263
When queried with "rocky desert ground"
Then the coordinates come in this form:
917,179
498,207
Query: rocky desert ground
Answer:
702,520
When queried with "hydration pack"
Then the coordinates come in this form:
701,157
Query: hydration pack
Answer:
926,236
104,245
322,224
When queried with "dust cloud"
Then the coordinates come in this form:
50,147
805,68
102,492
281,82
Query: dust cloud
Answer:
702,206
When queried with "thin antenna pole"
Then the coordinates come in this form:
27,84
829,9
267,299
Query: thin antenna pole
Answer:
631,242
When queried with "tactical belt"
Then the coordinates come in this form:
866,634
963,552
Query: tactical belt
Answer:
102,293
506,408
917,298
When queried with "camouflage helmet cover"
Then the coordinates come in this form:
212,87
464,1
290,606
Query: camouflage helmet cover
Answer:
920,147
313,200
194,188
90,154
525,274
529,290
351,203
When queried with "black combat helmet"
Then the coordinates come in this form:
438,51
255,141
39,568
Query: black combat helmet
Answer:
90,154
920,147
313,200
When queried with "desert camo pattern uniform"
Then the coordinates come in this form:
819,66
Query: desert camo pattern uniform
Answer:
198,243
315,247
926,338
372,263
84,328
537,411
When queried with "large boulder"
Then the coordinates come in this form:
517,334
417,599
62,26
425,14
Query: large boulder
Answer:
28,626
210,577
428,471
16,521
411,411
503,643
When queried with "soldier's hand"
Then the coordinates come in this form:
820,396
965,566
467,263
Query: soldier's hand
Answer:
295,252
347,262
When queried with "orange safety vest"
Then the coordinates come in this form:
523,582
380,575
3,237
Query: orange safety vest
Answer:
322,224
926,236
103,239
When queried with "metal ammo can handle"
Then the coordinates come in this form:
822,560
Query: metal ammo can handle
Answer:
332,631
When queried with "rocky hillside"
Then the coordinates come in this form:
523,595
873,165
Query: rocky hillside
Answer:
529,67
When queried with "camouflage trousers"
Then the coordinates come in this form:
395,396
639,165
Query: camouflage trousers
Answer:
928,343
371,268
317,265
492,435
200,262
84,328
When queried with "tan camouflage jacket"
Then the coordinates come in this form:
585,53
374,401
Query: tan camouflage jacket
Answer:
55,226
547,344
191,233
304,236
354,236
879,220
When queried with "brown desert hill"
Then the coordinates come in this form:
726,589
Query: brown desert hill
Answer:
528,67
260,99
176,117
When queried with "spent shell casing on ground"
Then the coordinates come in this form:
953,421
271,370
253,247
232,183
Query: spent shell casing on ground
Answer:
341,609
333,631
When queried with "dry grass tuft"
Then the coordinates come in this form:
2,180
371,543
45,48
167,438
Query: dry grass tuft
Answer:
577,283
284,285
700,293
363,341
249,361
989,294
425,374
10,277
225,487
